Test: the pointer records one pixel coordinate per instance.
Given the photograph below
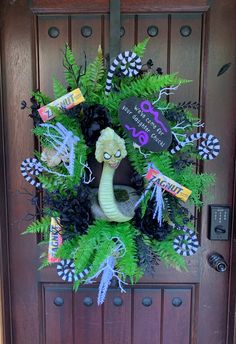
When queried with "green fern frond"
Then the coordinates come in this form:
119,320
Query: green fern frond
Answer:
39,226
167,254
163,162
140,48
41,98
147,87
58,89
92,80
45,263
72,70
137,160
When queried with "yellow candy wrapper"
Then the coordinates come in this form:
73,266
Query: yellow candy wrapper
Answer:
168,184
55,240
67,101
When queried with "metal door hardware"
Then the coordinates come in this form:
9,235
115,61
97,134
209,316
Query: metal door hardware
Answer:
217,262
219,222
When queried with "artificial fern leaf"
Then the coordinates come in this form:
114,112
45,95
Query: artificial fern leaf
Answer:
58,89
72,70
94,75
41,98
167,254
69,56
45,263
140,48
39,226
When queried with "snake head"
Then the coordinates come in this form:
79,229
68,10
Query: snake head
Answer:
110,148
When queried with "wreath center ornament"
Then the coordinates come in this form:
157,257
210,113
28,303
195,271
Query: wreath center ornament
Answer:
110,149
145,124
126,237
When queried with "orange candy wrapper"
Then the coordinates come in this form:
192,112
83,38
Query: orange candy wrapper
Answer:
55,241
169,184
67,101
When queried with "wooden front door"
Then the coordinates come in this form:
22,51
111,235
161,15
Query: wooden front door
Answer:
171,307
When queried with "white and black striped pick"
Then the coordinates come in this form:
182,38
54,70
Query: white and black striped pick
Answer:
30,168
130,65
208,149
186,244
66,270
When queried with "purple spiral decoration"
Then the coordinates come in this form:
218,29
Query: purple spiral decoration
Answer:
141,135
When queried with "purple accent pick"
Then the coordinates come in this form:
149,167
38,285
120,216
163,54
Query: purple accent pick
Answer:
142,135
146,106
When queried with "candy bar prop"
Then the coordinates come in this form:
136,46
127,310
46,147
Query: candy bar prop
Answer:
168,184
208,149
55,241
67,101
186,244
144,124
30,168
130,65
157,182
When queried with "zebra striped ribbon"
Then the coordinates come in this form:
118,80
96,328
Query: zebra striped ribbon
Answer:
186,244
130,65
66,270
208,149
31,168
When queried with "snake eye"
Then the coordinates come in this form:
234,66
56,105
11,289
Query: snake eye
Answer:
118,154
106,156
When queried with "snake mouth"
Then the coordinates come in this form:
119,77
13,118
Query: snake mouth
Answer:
114,165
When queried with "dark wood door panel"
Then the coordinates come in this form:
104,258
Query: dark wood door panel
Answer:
141,315
158,26
88,317
185,53
177,316
147,305
50,50
117,317
87,33
58,315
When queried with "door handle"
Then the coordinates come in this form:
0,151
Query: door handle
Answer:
217,262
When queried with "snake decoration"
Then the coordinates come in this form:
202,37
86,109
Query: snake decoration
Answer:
110,149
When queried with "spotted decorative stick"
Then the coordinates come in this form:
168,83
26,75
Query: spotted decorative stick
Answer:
186,244
31,168
130,65
66,270
208,149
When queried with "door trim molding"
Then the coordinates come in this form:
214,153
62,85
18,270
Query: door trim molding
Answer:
5,299
131,6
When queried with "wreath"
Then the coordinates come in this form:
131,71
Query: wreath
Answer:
113,113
